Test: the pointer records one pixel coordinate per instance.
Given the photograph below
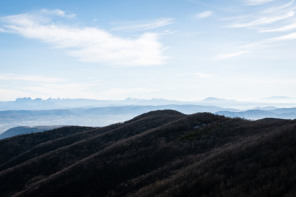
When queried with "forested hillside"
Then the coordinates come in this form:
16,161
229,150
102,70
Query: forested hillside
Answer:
159,153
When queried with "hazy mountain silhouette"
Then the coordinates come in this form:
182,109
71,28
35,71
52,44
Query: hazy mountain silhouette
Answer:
284,113
50,104
102,116
99,116
159,153
20,130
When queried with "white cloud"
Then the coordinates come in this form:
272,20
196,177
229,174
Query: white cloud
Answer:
291,36
280,29
230,55
204,14
257,2
28,78
267,18
89,44
264,20
278,19
266,43
273,10
144,25
57,12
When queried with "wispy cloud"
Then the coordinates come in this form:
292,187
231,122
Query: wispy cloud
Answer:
270,16
277,8
28,78
88,44
57,12
266,43
248,48
291,36
230,55
204,14
144,25
264,20
207,5
257,2
280,19
279,29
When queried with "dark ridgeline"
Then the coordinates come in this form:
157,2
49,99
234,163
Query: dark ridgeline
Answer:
160,153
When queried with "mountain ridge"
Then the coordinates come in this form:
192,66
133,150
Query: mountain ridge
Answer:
28,103
164,153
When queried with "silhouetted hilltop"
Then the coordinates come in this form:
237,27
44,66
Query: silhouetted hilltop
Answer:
163,153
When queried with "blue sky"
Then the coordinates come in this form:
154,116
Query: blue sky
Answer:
173,49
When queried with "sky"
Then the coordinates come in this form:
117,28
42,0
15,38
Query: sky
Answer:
172,49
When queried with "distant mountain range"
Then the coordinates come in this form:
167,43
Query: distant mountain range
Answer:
160,153
49,104
255,114
99,116
102,116
89,112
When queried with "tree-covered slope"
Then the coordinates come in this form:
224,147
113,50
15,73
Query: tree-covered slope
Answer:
163,153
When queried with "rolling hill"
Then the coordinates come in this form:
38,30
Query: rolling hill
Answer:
159,153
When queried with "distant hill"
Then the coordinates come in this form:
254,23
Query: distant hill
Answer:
159,153
98,116
50,104
21,130
57,103
284,113
102,116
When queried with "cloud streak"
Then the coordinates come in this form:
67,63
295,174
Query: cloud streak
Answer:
224,56
88,44
144,25
291,36
257,2
264,20
204,14
57,12
268,17
28,78
280,29
278,19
